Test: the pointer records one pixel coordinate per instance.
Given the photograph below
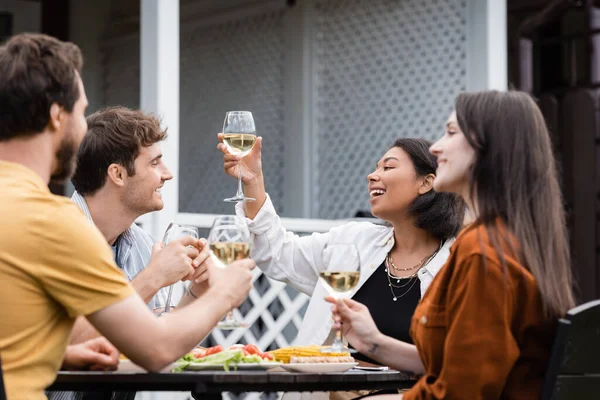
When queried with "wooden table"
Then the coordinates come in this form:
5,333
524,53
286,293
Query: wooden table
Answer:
212,384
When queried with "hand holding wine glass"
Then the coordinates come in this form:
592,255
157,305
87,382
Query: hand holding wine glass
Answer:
251,164
355,321
239,136
340,275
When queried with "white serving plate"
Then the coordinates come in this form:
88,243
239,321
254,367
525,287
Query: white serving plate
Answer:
240,367
319,368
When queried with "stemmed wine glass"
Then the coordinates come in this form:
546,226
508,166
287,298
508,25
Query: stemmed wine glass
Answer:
175,231
229,240
340,276
239,135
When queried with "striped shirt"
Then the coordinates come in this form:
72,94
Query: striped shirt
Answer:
132,251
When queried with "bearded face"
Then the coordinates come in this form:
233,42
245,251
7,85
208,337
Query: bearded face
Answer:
74,128
65,160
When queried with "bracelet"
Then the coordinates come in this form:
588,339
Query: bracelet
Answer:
189,290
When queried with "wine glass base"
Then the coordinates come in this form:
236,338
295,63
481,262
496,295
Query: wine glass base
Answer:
237,199
231,325
332,349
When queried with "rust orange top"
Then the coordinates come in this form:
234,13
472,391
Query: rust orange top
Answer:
480,328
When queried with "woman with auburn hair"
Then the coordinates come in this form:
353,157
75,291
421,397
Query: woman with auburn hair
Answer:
485,328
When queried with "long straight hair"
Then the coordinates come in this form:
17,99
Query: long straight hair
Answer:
514,178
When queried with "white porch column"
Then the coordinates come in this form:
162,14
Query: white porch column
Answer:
486,45
300,86
159,91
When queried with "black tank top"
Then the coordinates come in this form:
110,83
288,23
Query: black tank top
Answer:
392,318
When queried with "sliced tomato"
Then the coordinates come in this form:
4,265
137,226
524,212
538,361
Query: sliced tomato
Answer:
214,350
199,353
267,356
244,352
252,349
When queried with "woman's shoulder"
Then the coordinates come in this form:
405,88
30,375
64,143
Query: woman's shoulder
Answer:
493,243
476,240
360,229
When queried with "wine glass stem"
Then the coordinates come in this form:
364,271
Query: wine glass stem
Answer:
168,305
240,192
338,343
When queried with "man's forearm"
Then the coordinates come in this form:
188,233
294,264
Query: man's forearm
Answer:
168,337
83,331
190,325
146,285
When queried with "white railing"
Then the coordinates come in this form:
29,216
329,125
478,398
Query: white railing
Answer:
300,225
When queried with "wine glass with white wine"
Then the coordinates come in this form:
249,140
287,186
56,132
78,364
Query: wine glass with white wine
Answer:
239,135
341,275
229,240
176,231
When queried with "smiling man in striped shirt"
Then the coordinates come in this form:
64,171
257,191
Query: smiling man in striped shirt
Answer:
119,176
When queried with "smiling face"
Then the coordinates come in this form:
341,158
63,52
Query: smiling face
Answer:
142,191
394,185
455,157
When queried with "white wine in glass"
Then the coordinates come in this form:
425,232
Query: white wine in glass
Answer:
239,135
340,282
229,241
228,252
341,274
239,144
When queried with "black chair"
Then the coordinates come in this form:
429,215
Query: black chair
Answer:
2,391
574,368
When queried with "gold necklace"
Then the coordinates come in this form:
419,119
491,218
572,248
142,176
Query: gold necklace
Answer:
391,261
409,279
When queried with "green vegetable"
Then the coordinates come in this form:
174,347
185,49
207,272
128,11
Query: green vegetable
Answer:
181,365
252,359
225,358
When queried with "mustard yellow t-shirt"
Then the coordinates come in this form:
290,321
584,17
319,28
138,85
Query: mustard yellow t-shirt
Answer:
54,266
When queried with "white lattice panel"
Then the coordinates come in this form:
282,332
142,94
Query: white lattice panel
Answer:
274,313
235,65
386,69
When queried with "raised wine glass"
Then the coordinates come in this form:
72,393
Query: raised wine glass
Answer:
340,276
175,231
229,240
239,135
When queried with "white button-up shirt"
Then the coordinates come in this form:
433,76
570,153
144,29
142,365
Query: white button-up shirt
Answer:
295,260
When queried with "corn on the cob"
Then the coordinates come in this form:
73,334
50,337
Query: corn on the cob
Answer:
283,354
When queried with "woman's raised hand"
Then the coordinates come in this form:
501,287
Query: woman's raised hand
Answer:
251,163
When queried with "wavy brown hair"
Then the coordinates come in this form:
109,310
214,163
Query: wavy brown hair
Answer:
115,136
514,178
